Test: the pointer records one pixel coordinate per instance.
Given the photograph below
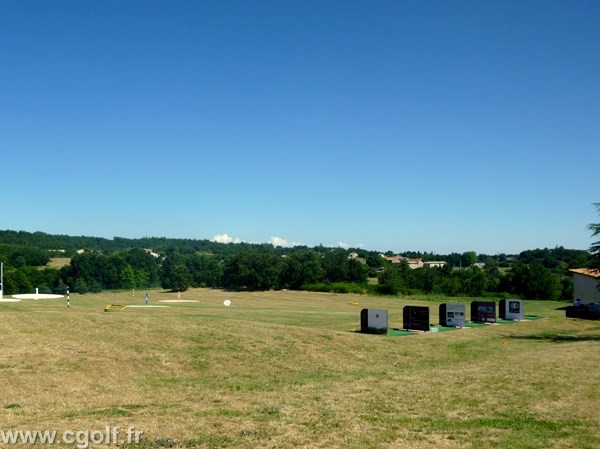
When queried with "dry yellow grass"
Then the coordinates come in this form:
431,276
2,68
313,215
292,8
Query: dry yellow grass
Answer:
58,262
287,370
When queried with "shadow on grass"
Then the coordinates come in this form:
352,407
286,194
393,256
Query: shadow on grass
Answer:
557,338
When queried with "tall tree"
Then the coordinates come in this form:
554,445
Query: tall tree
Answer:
390,282
206,271
357,271
252,271
594,263
335,263
468,258
302,267
174,275
127,277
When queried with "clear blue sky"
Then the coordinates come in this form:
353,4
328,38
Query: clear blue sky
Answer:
426,125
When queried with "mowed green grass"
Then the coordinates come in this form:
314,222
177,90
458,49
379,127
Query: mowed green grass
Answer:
289,370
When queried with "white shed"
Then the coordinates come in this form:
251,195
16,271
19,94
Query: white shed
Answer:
585,285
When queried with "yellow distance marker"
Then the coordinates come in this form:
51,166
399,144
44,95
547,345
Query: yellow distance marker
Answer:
114,307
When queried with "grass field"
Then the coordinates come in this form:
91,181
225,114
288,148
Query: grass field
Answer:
58,262
289,370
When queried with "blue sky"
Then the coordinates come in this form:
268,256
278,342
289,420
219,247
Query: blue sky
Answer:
428,125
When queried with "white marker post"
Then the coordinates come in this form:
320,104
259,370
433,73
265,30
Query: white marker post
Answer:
146,298
68,298
1,279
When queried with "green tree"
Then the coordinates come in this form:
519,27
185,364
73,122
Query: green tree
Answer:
452,286
80,286
17,281
181,278
374,260
302,267
473,281
142,280
335,263
252,271
88,268
535,281
174,275
468,258
491,265
594,261
357,271
543,283
142,261
390,282
127,277
206,271
112,268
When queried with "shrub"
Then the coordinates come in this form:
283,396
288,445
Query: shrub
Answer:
336,287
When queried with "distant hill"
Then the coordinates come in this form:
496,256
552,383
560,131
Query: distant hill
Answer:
68,245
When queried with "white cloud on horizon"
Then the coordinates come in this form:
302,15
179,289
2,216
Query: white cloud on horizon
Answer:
280,241
275,241
226,238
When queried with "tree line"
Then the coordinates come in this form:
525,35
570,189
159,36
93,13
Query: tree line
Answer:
529,281
68,246
533,274
98,264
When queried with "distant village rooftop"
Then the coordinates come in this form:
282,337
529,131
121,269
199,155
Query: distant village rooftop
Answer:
414,263
586,272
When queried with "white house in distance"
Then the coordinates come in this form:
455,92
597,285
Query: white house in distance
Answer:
434,264
585,285
414,263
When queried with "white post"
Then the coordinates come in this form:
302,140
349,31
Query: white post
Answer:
1,279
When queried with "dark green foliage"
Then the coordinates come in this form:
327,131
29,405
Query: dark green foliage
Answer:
145,266
552,258
391,282
533,281
80,286
27,279
339,268
206,271
473,280
374,260
127,263
17,281
125,270
21,256
252,271
469,258
594,259
357,272
302,267
335,263
127,277
174,274
335,287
